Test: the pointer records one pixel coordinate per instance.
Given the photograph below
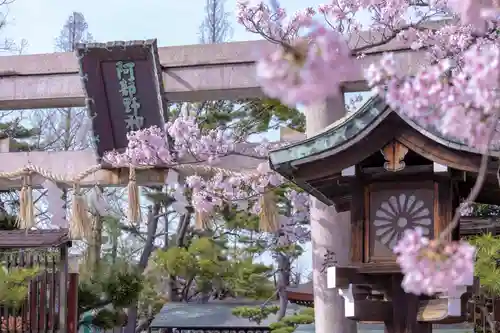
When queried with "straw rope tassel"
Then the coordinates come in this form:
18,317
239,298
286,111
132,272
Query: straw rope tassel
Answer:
80,226
133,197
29,209
268,216
201,220
21,217
25,219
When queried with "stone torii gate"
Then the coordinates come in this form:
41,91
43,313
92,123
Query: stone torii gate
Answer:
189,73
186,73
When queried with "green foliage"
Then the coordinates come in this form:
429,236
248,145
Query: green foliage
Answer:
109,291
205,266
260,115
9,202
256,314
151,300
14,284
483,210
107,318
238,219
487,261
245,117
248,279
288,324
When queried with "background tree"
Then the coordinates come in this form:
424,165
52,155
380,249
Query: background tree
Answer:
246,118
11,127
13,282
20,139
63,129
221,261
66,129
107,293
215,27
8,45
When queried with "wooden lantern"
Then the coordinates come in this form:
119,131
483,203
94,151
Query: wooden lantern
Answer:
393,203
392,174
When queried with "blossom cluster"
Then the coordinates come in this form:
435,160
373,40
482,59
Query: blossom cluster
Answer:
458,94
430,266
310,69
184,142
208,194
476,12
460,101
150,146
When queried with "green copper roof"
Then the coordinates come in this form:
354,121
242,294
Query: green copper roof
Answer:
341,132
334,135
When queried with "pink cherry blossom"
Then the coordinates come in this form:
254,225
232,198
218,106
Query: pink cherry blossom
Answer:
459,102
190,144
431,267
457,94
308,71
476,12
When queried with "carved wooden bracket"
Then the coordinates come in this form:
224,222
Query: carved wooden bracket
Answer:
394,154
364,309
349,307
347,281
352,282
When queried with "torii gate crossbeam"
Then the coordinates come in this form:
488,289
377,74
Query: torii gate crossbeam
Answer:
190,73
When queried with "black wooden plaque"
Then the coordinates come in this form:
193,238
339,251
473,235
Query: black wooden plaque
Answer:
124,87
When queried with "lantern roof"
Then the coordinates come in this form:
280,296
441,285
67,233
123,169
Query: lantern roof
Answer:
353,127
320,159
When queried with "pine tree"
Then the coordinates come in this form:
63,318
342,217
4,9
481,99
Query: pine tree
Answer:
13,283
106,290
21,139
220,262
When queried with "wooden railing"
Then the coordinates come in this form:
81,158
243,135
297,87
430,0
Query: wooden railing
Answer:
39,312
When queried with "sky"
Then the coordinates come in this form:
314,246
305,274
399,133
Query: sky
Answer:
171,22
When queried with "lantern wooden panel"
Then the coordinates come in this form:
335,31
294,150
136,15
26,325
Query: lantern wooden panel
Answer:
393,208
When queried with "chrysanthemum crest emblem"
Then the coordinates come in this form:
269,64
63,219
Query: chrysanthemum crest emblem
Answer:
399,213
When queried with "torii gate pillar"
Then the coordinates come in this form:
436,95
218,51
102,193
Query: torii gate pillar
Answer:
330,232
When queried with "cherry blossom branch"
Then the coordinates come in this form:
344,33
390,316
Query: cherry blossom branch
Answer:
250,196
394,34
476,189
